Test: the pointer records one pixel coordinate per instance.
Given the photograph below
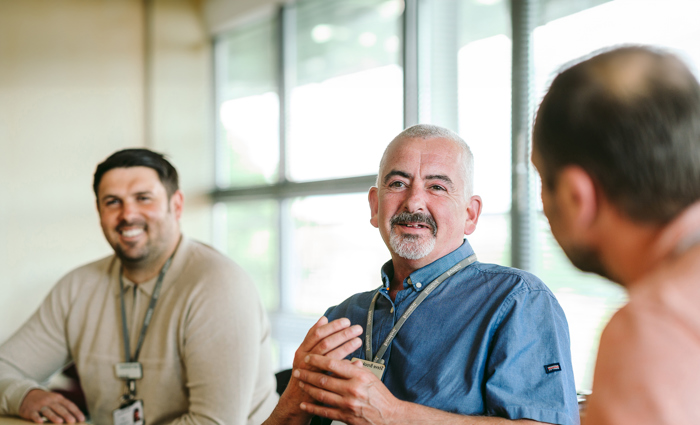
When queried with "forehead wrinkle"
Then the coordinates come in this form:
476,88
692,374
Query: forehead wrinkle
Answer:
399,152
418,149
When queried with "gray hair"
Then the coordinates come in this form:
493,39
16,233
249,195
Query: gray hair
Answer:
429,131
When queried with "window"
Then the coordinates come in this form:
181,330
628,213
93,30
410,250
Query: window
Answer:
248,106
308,99
298,150
346,98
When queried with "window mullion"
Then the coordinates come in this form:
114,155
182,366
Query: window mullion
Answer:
523,21
286,78
410,62
286,75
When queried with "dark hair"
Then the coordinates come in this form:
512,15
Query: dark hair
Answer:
139,158
630,117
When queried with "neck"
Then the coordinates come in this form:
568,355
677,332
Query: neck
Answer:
143,271
402,269
639,248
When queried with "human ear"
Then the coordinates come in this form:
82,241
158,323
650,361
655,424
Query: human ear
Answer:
373,198
577,198
473,212
176,203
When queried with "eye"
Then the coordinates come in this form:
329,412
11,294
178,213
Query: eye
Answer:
438,187
143,198
397,183
111,202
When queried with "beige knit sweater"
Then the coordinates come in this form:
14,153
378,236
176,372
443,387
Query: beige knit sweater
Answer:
205,356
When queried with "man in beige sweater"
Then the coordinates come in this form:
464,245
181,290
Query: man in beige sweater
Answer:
166,329
617,143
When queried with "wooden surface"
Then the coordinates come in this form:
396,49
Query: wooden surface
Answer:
4,420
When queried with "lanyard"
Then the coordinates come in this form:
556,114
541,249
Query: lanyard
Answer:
424,294
146,320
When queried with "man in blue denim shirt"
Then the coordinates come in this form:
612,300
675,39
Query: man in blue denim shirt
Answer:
486,344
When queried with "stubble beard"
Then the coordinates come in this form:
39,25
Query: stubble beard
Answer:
412,247
587,260
582,257
129,257
131,260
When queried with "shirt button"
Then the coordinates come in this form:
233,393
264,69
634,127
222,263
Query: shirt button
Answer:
418,285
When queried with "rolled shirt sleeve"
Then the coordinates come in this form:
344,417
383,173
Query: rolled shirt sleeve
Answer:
529,371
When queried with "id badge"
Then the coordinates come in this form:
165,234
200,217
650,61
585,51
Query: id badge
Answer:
128,371
376,368
130,413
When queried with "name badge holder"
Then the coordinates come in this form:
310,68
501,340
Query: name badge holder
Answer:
130,411
376,368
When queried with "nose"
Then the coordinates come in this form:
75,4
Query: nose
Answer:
415,200
129,211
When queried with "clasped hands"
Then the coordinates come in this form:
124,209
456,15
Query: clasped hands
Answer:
333,387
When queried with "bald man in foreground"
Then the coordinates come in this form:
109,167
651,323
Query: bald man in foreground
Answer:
617,143
481,343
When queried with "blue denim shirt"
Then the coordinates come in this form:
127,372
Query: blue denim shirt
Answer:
490,340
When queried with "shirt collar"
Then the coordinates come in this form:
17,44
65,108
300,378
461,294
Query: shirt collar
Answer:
145,287
420,278
148,286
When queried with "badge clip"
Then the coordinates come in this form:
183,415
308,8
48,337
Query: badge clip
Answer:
128,371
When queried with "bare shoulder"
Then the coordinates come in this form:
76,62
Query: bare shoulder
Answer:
639,332
646,368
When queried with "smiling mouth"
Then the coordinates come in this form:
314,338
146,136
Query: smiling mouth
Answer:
414,226
414,221
130,233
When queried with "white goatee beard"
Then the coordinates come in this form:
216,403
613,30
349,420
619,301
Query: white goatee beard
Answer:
411,247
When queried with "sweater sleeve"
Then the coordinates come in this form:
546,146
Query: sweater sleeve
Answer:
36,351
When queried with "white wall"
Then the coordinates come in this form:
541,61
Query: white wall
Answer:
182,106
72,91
